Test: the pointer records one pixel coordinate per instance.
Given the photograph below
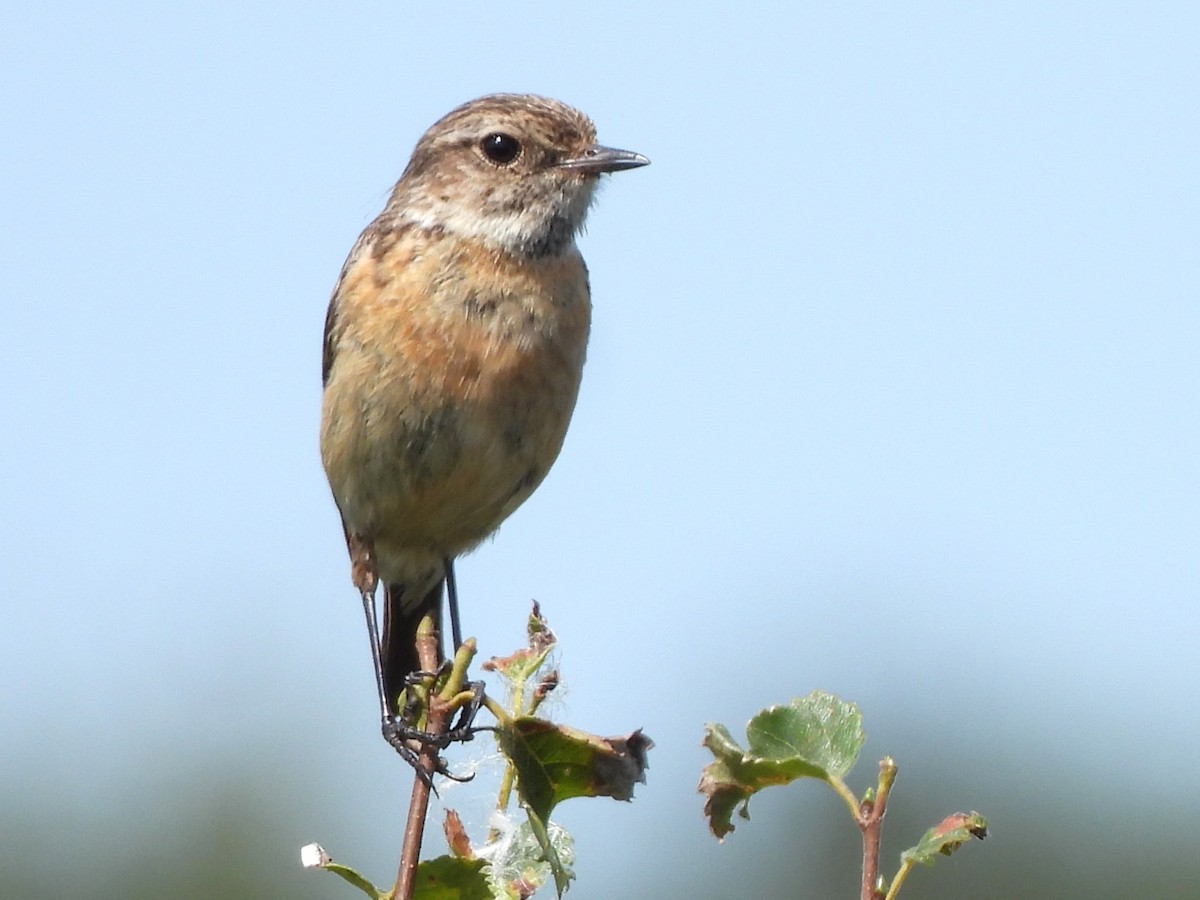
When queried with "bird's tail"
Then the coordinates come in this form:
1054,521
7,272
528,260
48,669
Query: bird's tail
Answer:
401,615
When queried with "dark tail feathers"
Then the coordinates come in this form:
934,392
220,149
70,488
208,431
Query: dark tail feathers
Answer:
399,650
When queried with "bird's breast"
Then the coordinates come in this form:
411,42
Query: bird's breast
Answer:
454,375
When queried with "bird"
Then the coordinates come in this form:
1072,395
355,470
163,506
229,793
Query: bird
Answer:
453,350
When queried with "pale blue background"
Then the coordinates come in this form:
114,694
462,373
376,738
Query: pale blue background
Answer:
892,392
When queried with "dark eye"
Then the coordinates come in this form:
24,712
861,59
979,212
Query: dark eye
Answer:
500,148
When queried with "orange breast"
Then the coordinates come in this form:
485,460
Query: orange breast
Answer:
454,375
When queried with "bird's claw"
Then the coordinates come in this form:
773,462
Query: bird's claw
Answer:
409,741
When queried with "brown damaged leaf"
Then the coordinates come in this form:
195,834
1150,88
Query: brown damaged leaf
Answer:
456,836
538,630
545,685
946,837
557,762
524,662
722,792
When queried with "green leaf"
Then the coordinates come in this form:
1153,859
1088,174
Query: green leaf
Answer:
946,837
451,878
821,730
313,856
444,878
818,736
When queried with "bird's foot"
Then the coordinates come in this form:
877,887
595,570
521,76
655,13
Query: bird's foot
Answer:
411,742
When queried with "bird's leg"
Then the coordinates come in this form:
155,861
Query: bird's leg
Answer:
463,730
452,602
403,737
365,574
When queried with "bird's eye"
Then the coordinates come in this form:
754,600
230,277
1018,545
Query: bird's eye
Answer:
500,148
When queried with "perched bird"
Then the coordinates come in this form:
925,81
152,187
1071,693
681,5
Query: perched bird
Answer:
454,346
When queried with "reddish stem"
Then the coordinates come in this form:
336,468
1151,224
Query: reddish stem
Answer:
418,807
870,821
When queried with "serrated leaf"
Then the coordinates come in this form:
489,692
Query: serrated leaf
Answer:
821,730
818,736
451,878
946,837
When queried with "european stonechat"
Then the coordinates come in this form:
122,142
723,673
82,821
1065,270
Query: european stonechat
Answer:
454,346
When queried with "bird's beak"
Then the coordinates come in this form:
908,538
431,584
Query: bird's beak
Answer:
597,159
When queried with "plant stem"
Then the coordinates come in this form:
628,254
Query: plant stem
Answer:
846,794
894,889
495,709
870,821
503,716
506,786
418,807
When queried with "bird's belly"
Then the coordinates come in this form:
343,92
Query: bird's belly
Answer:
423,469
455,484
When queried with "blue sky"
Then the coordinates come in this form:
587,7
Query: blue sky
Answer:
892,392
